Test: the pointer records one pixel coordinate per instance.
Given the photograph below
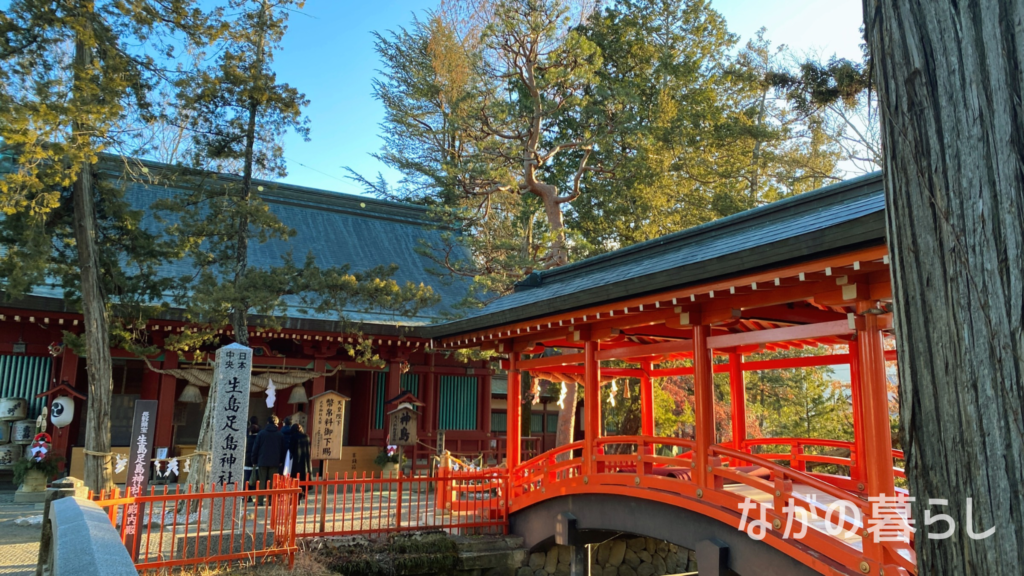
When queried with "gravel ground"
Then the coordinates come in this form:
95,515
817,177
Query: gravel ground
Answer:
19,545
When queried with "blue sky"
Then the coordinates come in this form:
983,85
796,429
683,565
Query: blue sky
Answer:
328,54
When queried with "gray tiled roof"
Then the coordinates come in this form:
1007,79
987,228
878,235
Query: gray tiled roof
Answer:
801,227
338,229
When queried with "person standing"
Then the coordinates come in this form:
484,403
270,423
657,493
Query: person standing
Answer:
267,454
250,440
302,465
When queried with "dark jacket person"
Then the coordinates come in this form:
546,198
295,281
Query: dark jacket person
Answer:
250,440
302,466
267,454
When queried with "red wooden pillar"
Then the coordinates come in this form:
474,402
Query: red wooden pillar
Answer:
320,382
430,409
515,400
874,403
646,400
591,405
485,406
704,403
150,385
647,409
738,393
165,403
394,383
858,470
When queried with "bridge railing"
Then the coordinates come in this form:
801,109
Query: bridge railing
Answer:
737,478
788,487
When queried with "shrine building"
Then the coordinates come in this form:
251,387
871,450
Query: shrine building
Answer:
466,400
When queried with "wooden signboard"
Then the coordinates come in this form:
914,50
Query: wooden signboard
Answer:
358,460
138,469
327,425
402,425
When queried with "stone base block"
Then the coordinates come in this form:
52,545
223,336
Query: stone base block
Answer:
30,497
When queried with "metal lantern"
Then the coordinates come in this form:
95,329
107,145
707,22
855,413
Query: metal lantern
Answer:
13,409
62,411
298,395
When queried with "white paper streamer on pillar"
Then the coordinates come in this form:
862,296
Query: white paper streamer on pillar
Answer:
611,395
561,396
120,464
271,393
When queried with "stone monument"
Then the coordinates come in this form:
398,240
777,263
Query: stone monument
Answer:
230,414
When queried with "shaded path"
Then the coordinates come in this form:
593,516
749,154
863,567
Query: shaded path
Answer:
19,545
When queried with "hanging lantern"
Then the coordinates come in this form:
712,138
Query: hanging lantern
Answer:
298,395
191,394
62,411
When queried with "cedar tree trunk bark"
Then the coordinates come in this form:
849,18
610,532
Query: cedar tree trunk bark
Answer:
949,76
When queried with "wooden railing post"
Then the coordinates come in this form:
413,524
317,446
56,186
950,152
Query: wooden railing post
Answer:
323,506
795,451
398,507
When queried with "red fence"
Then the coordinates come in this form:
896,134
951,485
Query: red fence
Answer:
457,502
186,528
183,528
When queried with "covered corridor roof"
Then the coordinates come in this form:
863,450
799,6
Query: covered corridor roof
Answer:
831,220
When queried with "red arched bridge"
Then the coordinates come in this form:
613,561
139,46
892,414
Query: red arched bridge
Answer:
763,505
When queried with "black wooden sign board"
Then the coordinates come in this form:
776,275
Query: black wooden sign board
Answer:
138,470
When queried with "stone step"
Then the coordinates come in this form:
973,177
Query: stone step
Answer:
510,559
488,543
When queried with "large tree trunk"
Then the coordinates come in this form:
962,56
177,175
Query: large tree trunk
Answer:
558,253
950,84
94,311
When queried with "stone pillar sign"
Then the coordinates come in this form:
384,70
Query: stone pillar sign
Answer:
234,370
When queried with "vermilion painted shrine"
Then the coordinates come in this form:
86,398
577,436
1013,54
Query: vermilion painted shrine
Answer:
806,271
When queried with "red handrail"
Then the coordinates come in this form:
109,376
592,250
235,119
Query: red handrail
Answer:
634,469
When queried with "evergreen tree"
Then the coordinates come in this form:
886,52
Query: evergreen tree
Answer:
236,113
69,73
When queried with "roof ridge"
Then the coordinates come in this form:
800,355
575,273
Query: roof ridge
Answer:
609,258
355,201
